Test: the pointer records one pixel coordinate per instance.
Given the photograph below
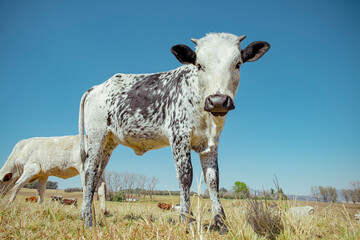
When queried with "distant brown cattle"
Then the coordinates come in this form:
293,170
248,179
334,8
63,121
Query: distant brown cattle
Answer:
69,201
164,206
31,199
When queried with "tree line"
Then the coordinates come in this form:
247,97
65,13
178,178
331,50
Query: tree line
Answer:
49,185
324,194
118,185
241,191
330,194
352,194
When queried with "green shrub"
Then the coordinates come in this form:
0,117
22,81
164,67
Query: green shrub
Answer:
49,185
116,196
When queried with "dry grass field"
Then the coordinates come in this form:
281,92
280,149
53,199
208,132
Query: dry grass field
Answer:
144,220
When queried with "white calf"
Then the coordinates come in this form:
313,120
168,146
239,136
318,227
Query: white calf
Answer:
39,158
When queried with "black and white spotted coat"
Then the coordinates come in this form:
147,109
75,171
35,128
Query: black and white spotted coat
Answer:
152,111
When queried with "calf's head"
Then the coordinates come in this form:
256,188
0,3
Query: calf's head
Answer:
218,58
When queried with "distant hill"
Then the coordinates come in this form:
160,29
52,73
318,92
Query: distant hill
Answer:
301,198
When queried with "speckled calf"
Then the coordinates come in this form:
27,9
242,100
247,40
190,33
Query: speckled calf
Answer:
183,108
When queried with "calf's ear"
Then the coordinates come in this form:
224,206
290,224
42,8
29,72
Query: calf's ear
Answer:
254,51
7,177
184,54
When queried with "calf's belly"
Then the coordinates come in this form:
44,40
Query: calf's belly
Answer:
141,145
64,173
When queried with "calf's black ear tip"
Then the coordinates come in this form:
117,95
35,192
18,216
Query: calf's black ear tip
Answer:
254,51
176,49
173,49
261,45
184,54
267,45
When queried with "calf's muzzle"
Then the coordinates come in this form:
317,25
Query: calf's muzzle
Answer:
219,104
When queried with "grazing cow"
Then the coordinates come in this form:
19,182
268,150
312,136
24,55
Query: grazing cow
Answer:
301,211
357,217
57,198
183,108
165,206
175,208
69,201
31,199
39,158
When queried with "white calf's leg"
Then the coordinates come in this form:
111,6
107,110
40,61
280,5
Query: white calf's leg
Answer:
41,188
102,195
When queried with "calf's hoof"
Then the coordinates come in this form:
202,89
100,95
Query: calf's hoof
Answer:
221,229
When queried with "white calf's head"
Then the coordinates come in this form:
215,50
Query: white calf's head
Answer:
218,58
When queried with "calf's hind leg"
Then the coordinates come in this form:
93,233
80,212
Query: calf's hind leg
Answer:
98,156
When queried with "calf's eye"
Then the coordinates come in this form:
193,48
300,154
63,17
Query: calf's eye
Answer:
237,66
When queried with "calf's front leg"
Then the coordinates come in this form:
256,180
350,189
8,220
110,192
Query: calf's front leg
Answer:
184,172
209,164
102,194
41,188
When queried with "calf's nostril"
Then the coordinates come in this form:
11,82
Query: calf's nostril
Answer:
226,103
229,103
210,103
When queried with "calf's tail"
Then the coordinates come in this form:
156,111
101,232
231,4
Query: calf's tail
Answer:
81,127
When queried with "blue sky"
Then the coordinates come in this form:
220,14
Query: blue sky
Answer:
297,109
